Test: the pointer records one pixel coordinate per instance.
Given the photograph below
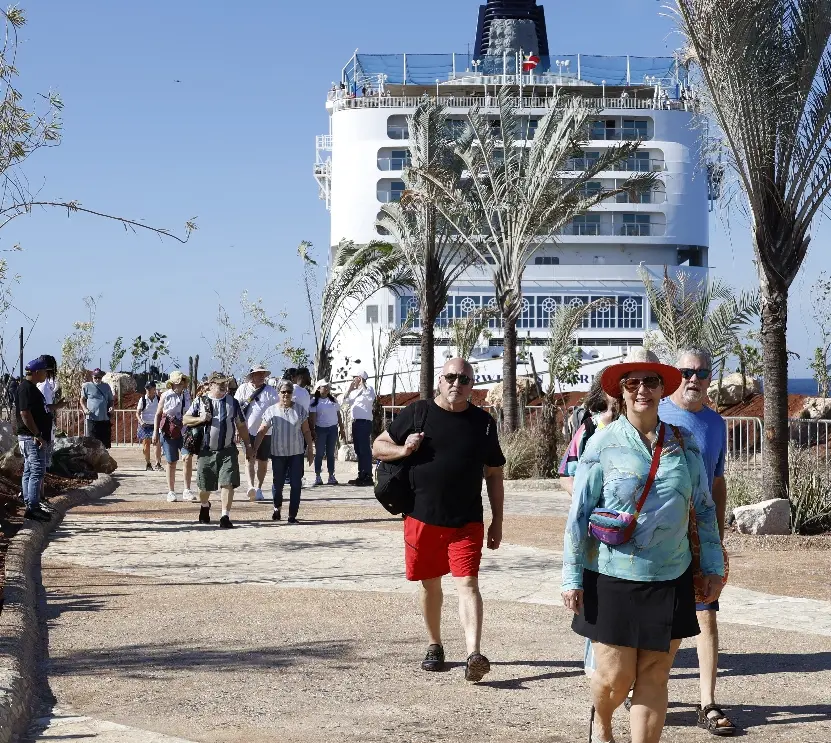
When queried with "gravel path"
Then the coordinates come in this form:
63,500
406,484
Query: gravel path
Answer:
164,631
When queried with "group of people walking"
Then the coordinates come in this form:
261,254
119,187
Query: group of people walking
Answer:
643,561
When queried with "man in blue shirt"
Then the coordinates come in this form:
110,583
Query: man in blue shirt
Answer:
97,402
685,408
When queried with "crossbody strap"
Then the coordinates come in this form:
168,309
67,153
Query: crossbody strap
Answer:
653,470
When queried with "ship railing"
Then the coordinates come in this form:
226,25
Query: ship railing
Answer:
393,163
634,165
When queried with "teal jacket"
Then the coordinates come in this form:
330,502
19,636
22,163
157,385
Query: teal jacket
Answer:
611,474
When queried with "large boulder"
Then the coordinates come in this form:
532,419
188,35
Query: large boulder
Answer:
78,454
11,464
120,381
8,436
731,389
816,408
768,517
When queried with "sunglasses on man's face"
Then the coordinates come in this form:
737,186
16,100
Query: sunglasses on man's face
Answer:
286,392
464,379
634,384
702,374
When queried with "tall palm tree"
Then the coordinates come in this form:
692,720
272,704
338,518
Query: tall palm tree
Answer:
357,272
427,245
519,192
766,69
695,315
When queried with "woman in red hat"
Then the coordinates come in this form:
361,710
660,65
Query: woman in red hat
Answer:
627,565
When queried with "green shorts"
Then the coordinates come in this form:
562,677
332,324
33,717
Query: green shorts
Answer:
217,469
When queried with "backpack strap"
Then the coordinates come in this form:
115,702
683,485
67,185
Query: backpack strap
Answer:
422,419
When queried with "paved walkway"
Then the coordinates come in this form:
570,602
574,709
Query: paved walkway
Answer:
166,630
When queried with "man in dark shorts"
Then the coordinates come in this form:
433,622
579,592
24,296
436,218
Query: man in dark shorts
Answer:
445,533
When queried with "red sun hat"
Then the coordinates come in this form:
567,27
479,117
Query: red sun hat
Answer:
639,359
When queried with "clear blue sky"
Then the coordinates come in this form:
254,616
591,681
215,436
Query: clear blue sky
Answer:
233,144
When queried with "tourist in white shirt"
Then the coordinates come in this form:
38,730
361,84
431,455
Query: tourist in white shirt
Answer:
146,410
360,398
255,397
302,381
173,404
325,421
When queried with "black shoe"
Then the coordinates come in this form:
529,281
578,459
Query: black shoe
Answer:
477,666
46,508
434,660
205,514
357,481
159,467
293,520
148,467
276,515
35,514
225,523
368,482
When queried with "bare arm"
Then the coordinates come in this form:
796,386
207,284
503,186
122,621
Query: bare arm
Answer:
340,426
387,450
567,484
720,499
307,435
496,495
157,421
83,403
260,436
242,432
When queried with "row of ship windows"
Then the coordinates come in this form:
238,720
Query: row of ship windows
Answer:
607,129
615,312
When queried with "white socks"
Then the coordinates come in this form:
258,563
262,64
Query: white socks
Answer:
225,512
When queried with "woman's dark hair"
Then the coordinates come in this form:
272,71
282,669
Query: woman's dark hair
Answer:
595,400
289,375
317,397
51,365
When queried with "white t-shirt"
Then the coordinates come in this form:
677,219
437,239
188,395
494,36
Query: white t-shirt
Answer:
253,411
148,409
175,405
326,412
47,389
360,403
302,396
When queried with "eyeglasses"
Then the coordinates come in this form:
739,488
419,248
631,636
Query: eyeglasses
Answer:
634,384
702,374
463,379
286,392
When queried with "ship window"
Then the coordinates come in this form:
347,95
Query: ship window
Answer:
371,314
546,260
390,314
634,129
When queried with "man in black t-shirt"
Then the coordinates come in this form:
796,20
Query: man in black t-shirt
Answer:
34,432
448,458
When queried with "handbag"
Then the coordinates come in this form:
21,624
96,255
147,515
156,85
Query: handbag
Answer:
617,527
171,426
194,436
393,489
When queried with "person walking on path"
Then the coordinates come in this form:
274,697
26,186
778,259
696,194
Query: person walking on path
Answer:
325,420
360,398
629,581
685,408
146,410
291,438
51,392
449,445
167,429
255,397
34,433
302,381
217,466
97,402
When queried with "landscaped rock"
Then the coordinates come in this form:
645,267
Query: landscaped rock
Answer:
731,389
11,464
8,437
346,453
816,408
77,454
768,517
122,381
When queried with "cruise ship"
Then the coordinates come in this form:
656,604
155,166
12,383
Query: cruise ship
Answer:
359,165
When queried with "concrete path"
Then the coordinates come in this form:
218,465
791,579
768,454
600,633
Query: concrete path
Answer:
165,630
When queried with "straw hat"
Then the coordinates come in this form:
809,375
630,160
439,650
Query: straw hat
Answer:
259,368
176,377
639,359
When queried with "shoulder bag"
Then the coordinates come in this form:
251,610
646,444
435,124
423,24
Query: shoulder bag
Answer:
171,425
617,527
393,488
194,436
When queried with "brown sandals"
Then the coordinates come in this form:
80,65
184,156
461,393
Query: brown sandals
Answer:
711,724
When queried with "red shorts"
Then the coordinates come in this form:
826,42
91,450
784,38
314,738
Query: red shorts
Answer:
433,551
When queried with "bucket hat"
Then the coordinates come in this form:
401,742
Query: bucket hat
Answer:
257,369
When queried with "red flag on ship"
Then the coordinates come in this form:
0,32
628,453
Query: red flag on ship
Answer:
530,63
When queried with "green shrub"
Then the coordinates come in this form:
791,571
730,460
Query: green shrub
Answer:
810,492
520,453
742,489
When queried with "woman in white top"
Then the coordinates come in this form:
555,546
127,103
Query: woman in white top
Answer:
172,406
146,416
325,420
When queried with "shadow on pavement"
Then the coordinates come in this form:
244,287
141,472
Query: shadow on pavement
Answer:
746,716
753,664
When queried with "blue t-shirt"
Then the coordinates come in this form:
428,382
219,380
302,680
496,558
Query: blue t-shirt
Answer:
708,430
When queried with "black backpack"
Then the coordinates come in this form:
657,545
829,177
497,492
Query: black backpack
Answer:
393,489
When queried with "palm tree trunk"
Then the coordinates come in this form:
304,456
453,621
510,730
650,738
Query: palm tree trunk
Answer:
510,404
775,360
428,350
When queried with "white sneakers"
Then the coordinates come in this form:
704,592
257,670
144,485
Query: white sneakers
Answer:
252,493
189,495
171,497
260,495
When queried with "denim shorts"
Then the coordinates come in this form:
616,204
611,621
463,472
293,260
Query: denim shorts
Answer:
171,448
707,607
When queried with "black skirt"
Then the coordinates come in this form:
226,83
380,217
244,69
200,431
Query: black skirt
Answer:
637,614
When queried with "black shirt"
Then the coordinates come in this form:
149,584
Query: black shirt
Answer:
30,398
448,469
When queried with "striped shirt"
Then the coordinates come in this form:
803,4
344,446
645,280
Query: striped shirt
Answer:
226,414
286,429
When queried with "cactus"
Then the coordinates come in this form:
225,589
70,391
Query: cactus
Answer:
190,373
195,373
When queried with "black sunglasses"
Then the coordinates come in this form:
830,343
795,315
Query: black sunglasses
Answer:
464,379
702,374
633,385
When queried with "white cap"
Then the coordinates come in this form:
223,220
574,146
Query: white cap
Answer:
360,373
321,383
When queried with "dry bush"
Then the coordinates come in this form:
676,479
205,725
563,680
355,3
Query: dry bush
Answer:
526,453
809,492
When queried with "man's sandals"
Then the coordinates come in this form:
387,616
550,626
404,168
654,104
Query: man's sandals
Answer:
715,724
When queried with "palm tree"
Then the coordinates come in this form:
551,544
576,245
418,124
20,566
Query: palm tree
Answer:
515,193
766,70
466,331
357,272
430,249
692,315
